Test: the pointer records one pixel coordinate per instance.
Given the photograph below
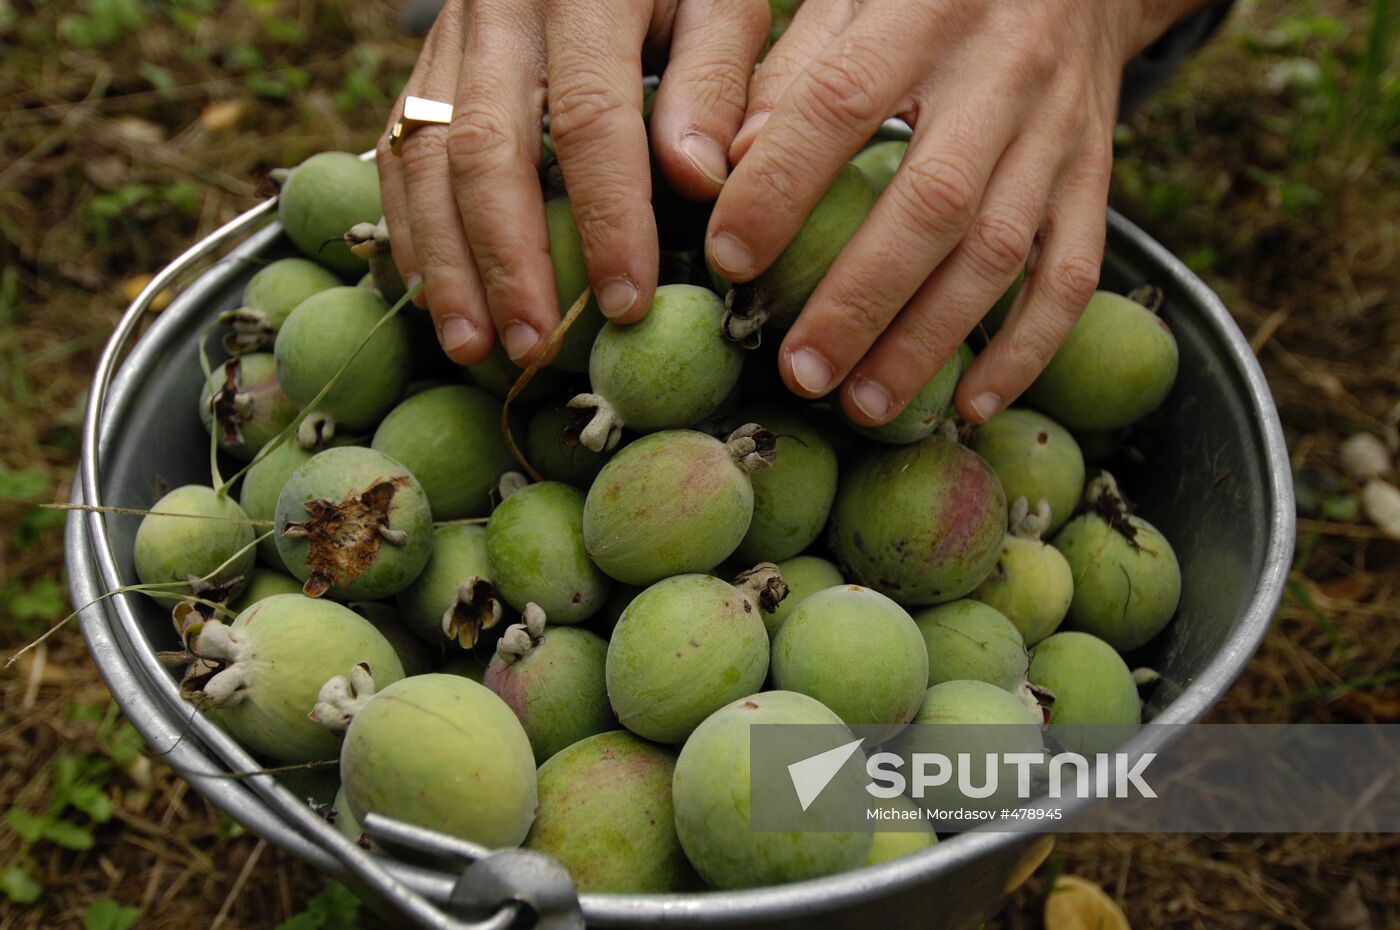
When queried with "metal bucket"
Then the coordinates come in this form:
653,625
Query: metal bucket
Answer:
1215,478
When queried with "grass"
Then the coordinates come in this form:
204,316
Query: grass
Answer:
130,128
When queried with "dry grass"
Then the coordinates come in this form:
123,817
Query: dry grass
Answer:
112,158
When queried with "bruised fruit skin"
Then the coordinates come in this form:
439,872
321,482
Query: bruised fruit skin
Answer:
673,502
269,297
534,541
552,678
1127,582
244,405
270,664
926,411
880,161
791,498
888,845
264,583
570,278
1031,584
829,644
1086,683
353,522
971,641
805,575
498,374
261,486
1116,366
322,198
670,369
413,655
449,438
712,795
605,814
204,530
322,334
471,773
1035,458
554,457
776,297
921,523
684,648
452,599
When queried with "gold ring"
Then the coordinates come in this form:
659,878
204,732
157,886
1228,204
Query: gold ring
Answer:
418,111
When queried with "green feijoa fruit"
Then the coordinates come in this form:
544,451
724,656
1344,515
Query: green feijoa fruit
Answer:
534,541
1035,458
192,534
322,198
970,641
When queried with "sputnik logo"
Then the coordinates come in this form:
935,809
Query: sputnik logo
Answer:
811,775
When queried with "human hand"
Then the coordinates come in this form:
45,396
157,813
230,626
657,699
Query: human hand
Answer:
463,202
1013,106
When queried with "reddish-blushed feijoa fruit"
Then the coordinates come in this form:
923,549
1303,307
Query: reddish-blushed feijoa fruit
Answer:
194,534
449,437
829,644
470,772
605,814
683,648
1115,367
553,678
324,335
264,671
670,369
322,198
673,502
1035,458
534,541
922,523
713,794
353,522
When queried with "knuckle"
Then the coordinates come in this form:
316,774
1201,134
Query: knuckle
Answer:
999,245
424,152
929,339
864,308
720,90
1072,280
772,179
479,134
580,110
843,90
938,192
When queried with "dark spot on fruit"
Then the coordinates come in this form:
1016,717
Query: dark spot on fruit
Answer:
1042,437
678,655
860,543
751,705
695,644
608,753
578,597
748,608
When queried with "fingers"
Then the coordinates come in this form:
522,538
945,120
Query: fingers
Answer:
595,106
494,149
827,113
1060,279
440,250
916,224
945,308
816,25
700,102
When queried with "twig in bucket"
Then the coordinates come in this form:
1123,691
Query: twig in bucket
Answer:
137,512
522,382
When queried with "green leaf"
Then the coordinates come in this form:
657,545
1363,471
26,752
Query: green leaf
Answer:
68,835
106,914
26,826
93,801
42,600
19,886
33,523
336,905
22,485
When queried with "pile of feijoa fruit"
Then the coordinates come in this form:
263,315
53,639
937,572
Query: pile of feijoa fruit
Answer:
572,664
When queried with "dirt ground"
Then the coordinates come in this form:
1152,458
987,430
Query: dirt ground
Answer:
128,129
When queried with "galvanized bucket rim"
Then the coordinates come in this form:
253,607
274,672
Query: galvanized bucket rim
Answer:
143,688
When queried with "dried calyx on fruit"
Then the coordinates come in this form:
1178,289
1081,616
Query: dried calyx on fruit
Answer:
1031,583
453,600
245,404
269,298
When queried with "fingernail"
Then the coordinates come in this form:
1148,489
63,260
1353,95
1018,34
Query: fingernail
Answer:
872,398
811,371
456,332
519,339
731,254
616,296
986,405
706,155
